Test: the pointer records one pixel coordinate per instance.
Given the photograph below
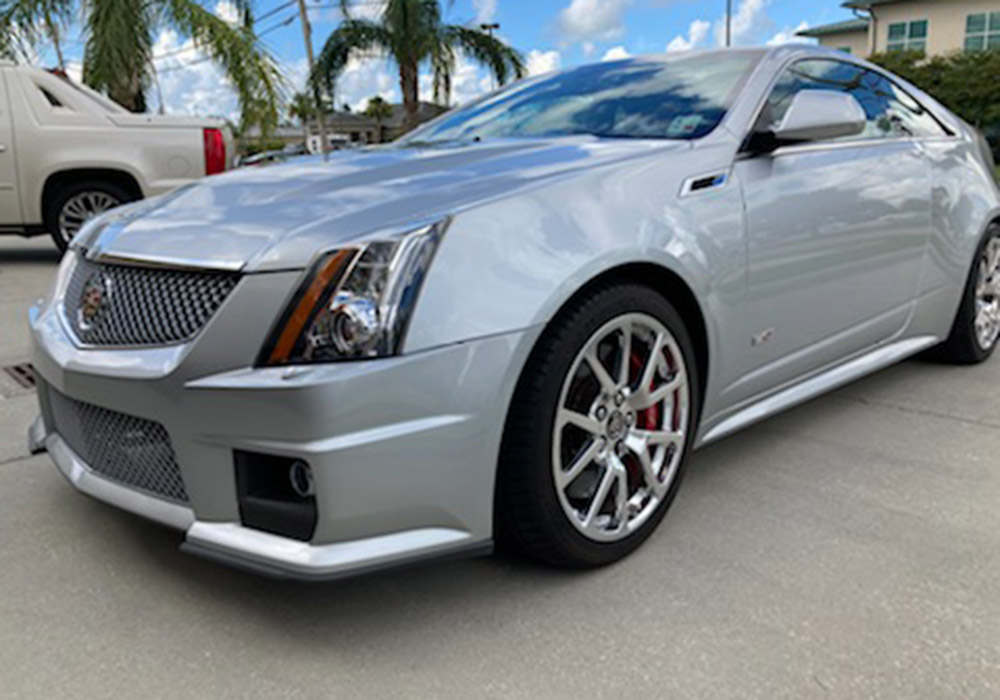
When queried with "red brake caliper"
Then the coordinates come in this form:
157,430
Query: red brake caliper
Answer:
646,419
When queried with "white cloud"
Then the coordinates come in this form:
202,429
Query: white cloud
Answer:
365,78
789,36
227,12
616,53
697,33
749,18
539,62
187,81
74,69
367,10
486,10
598,20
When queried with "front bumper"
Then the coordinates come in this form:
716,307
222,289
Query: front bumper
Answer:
260,552
403,450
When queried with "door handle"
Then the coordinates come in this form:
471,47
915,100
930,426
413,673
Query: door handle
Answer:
3,148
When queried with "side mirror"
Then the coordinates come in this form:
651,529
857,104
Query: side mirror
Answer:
814,115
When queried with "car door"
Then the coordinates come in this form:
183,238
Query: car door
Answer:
836,231
10,205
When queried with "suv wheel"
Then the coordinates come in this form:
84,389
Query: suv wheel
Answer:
75,204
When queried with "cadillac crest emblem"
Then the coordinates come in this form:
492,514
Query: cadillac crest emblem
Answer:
93,298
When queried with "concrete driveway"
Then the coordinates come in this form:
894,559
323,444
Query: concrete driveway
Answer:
849,548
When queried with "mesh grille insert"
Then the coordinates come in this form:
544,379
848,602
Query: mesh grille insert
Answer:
109,305
134,452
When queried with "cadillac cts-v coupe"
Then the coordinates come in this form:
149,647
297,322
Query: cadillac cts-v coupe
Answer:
514,324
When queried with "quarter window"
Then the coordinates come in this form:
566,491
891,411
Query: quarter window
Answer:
890,112
982,31
908,36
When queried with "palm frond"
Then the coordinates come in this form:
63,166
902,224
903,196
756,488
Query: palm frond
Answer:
414,26
504,62
237,50
119,49
353,35
442,66
26,24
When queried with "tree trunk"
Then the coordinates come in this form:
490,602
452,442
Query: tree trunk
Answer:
410,87
128,92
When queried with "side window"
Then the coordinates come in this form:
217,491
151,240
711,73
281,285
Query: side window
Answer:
897,114
891,112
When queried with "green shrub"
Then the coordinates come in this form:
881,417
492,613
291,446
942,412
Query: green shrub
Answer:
968,83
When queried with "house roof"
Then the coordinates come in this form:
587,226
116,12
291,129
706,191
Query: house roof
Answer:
851,25
865,4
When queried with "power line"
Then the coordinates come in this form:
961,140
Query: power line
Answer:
194,47
274,11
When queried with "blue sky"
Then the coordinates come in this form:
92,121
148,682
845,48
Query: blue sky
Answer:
550,33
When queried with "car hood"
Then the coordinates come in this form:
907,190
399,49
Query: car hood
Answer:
280,217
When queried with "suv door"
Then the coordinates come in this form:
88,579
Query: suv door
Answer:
836,231
10,204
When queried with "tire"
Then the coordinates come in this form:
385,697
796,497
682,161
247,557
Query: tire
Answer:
964,344
550,522
66,210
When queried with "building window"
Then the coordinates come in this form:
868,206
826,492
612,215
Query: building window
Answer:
908,36
982,31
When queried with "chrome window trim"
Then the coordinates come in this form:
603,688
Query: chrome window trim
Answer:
848,59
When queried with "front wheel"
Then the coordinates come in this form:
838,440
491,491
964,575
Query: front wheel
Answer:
599,429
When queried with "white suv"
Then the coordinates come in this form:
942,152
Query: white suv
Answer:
68,153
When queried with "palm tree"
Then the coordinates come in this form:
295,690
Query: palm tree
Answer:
118,52
302,108
411,33
118,56
379,110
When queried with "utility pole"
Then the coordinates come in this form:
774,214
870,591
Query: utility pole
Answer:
489,28
729,23
307,37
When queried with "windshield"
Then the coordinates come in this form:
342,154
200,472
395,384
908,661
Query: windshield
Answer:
674,98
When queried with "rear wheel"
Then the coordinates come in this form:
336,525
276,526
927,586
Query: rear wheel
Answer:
974,335
599,428
75,204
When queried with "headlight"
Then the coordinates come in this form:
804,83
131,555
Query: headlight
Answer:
356,302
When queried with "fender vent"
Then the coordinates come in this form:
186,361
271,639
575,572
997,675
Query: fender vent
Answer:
708,182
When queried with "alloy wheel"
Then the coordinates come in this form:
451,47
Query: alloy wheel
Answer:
987,315
620,427
80,208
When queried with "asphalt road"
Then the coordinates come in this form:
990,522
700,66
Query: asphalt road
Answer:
847,549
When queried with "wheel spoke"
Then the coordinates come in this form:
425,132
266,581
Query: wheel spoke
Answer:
640,440
649,472
625,359
608,384
652,363
607,479
582,461
586,423
646,398
621,492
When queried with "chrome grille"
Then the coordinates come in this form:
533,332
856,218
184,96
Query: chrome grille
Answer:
134,452
123,305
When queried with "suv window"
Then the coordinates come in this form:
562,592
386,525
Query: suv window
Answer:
891,112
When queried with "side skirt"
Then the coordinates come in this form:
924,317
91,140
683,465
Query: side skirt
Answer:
828,380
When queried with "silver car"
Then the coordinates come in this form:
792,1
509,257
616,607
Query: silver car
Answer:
513,325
